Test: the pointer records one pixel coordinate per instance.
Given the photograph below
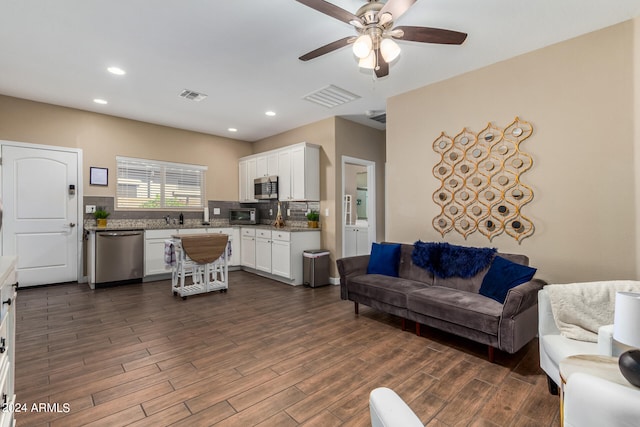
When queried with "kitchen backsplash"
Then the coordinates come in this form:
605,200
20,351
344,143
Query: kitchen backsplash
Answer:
267,211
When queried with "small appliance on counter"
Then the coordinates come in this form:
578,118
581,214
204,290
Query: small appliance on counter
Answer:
266,188
243,216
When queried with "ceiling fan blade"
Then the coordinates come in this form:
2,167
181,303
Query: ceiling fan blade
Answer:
327,48
382,67
396,8
431,35
330,9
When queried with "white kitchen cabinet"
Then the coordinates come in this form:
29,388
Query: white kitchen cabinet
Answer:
281,254
356,241
183,231
154,246
263,250
234,236
297,167
7,337
247,173
284,175
267,165
305,172
248,247
154,251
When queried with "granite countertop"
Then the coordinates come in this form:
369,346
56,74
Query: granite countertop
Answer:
123,224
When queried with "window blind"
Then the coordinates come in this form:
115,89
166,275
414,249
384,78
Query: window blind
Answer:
149,184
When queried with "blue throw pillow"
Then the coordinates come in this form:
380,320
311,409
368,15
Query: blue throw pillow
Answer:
502,276
384,259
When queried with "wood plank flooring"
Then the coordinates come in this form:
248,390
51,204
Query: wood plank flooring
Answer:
262,354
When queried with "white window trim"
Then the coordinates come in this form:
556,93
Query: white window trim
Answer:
163,164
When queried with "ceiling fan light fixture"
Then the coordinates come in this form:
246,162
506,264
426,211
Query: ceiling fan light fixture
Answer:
389,50
385,18
362,46
369,62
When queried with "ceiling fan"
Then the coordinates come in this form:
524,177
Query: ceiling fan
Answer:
374,45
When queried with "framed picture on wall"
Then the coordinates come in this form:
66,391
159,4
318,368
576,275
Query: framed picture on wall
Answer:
98,176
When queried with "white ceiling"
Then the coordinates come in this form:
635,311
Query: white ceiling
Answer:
244,55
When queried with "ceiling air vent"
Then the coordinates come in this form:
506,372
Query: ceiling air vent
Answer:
380,118
192,95
331,96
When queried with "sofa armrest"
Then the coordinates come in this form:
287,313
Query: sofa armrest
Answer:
605,340
594,401
349,267
546,321
387,409
522,297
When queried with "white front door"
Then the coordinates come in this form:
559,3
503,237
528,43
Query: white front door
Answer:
40,220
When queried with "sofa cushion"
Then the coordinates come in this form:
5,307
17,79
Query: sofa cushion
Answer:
502,276
462,308
390,290
408,270
446,260
558,347
384,259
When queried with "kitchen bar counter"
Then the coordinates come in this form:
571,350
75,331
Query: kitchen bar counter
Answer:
117,225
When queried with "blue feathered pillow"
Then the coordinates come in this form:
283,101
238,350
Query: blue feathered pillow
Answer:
445,260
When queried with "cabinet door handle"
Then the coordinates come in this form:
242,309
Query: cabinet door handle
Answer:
8,302
3,347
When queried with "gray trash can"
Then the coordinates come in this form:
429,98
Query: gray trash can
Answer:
315,267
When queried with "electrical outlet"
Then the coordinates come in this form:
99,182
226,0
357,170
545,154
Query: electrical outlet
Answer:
270,212
288,212
89,208
216,211
326,212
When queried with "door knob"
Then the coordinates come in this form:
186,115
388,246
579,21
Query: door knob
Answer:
72,224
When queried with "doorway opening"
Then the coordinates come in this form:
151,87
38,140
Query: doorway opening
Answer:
358,217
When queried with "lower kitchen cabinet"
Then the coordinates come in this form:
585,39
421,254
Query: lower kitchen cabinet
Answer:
276,253
263,250
248,247
281,258
356,241
154,246
7,338
154,251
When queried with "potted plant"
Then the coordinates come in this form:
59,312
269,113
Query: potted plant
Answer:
101,216
313,217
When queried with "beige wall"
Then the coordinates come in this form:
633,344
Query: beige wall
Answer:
103,137
361,142
579,97
321,133
337,137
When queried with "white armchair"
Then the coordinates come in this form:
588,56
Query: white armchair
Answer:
593,401
389,410
554,347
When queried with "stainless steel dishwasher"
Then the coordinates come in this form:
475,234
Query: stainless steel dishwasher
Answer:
119,256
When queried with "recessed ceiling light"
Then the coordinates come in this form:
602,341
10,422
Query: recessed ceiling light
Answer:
270,113
232,130
117,71
100,101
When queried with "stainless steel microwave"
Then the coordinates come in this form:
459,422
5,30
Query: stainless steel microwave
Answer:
266,187
243,216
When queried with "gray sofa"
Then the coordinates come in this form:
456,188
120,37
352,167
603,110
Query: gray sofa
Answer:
452,305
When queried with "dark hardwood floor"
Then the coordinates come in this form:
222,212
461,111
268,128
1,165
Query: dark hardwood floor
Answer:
263,353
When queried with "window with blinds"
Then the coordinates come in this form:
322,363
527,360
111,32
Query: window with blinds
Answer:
150,184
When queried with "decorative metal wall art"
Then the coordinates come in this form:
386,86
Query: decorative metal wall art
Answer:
480,186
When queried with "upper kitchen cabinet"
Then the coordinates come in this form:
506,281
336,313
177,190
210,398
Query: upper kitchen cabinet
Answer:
247,173
305,172
297,167
267,165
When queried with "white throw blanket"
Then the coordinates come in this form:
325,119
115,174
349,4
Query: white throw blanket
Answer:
579,309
